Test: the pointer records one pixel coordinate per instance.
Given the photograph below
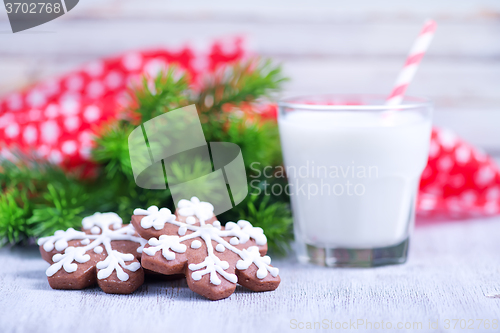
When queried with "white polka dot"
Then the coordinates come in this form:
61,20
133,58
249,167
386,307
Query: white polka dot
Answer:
74,83
12,130
72,123
30,134
428,203
85,152
114,80
493,194
55,157
95,89
463,154
95,230
132,61
484,175
52,111
70,107
6,120
491,208
85,137
469,197
36,98
98,249
479,155
445,163
92,113
220,248
70,96
155,66
69,147
433,149
95,68
49,132
234,241
447,138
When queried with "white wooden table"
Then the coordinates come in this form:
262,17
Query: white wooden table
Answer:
453,268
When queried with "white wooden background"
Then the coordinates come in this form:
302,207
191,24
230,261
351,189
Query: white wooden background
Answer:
452,273
325,46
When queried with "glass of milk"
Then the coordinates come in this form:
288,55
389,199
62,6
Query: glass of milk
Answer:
353,166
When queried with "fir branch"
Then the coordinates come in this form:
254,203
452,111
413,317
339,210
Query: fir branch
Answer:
14,212
167,91
238,83
61,209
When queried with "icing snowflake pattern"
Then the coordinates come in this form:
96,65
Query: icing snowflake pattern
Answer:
239,233
104,228
195,207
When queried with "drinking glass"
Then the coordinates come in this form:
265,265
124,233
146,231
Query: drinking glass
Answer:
353,166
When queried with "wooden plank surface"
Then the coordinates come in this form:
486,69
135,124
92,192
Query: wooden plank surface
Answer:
453,273
325,46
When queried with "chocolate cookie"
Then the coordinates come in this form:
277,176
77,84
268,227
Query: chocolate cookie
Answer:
212,257
98,254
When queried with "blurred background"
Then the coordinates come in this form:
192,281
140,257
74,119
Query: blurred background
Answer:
325,46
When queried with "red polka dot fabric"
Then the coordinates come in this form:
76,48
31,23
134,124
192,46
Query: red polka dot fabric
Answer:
57,119
459,180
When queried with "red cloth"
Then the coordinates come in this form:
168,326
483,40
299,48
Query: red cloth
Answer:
56,119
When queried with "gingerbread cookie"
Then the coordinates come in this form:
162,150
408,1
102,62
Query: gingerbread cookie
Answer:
212,257
105,252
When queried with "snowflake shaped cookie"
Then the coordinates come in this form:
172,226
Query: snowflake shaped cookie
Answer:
105,252
212,257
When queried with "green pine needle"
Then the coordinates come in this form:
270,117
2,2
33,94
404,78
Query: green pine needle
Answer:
14,212
63,208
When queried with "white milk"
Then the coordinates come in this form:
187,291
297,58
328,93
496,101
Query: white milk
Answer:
353,175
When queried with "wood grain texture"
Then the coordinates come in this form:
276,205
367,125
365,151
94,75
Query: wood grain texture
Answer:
452,269
336,46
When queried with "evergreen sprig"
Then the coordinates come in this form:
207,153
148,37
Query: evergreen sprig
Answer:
39,198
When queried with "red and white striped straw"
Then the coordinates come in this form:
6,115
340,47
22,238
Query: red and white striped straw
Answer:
417,52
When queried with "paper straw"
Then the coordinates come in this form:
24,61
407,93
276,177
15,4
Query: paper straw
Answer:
417,52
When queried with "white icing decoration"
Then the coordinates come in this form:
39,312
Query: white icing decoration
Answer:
190,220
252,255
165,243
196,244
111,226
194,207
239,233
155,217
